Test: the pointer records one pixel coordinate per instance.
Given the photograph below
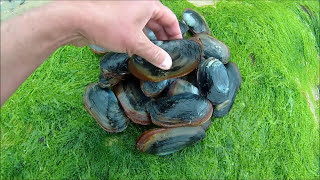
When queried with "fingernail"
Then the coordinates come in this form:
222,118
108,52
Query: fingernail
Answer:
167,63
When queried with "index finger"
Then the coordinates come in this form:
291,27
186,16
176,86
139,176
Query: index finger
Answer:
168,20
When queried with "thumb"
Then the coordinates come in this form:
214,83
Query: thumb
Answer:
152,53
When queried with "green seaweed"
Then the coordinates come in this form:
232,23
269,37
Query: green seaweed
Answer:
270,133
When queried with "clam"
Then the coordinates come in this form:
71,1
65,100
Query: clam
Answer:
195,21
108,82
103,105
133,101
185,109
180,86
163,141
213,81
152,89
212,47
234,85
185,56
114,64
97,49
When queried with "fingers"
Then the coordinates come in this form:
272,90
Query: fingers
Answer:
154,54
165,18
158,30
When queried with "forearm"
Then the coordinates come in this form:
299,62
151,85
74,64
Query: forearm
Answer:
29,39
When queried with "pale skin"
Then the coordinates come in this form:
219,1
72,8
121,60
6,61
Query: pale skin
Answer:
27,40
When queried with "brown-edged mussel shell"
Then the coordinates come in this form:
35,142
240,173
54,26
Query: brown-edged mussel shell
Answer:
234,85
97,49
162,141
185,56
133,101
213,81
108,82
152,89
180,86
114,64
185,109
195,21
103,105
212,47
206,124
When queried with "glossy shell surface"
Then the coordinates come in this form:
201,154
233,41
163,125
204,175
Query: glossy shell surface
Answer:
195,21
108,82
213,81
183,28
212,47
103,105
163,141
133,101
185,56
152,89
180,110
114,64
180,86
206,124
151,35
234,85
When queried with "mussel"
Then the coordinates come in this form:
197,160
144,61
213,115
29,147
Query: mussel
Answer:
97,49
151,35
103,105
180,86
234,85
152,89
183,28
163,141
185,56
114,64
213,81
206,124
195,21
212,47
133,101
185,109
108,82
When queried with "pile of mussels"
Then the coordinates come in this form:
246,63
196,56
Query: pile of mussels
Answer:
182,100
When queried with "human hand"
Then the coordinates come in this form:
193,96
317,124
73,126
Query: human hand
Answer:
118,26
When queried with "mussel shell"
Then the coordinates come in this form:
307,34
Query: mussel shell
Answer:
103,105
133,101
180,86
185,56
114,64
195,21
180,110
206,124
213,81
163,141
212,47
97,49
152,89
108,82
151,35
234,85
183,28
